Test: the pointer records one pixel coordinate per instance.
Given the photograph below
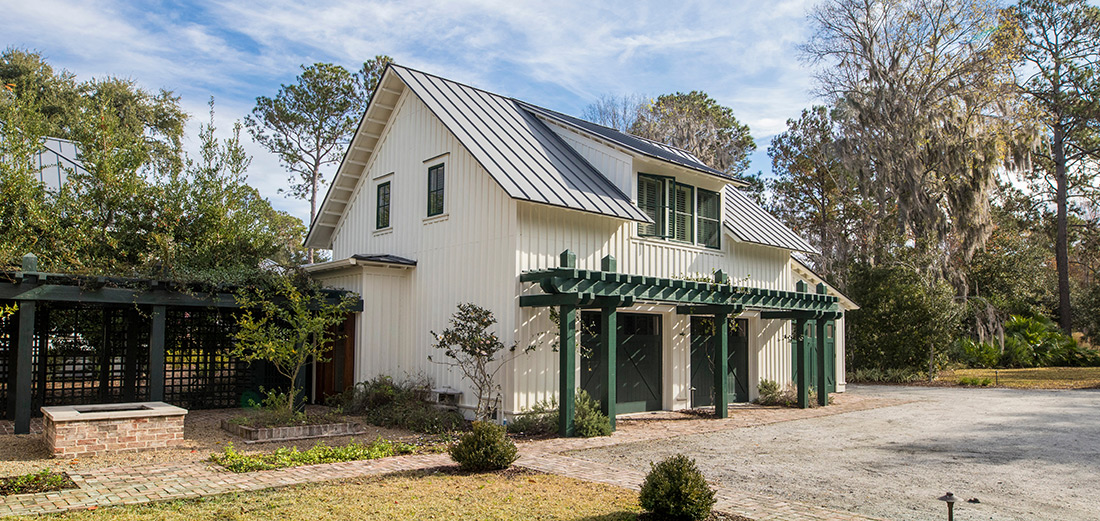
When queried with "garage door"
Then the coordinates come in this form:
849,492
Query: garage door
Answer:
639,361
702,361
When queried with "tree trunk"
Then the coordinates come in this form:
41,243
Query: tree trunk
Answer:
1061,245
313,203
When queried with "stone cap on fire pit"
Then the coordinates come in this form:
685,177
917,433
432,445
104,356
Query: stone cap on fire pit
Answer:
111,411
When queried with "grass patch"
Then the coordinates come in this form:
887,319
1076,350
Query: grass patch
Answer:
292,457
502,496
41,481
1038,378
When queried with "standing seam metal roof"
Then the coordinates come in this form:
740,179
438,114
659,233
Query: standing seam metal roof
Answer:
644,146
751,223
527,159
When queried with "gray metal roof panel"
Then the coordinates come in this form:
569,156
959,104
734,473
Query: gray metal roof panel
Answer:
527,159
644,146
384,258
751,223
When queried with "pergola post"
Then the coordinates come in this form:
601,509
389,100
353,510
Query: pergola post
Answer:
156,355
23,368
802,361
609,344
567,351
822,382
721,357
24,353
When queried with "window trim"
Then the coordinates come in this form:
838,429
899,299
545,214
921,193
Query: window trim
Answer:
378,205
667,211
442,190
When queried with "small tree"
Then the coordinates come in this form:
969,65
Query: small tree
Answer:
476,352
287,325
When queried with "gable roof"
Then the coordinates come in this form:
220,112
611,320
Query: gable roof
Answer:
528,160
748,222
647,147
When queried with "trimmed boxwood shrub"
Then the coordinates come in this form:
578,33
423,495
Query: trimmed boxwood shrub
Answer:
486,447
675,489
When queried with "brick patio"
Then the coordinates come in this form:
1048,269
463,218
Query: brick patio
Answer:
143,484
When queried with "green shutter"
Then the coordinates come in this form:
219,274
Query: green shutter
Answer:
651,200
684,212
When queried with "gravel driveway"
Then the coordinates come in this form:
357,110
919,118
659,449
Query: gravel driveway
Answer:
1026,455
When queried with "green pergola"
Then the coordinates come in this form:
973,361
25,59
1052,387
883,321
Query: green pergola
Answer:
29,287
571,289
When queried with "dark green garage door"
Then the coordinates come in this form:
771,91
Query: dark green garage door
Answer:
702,361
639,361
810,332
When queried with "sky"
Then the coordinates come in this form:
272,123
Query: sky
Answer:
561,55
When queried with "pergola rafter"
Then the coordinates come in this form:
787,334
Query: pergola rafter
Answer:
570,289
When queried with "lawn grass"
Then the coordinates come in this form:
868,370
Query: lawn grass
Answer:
1038,378
506,495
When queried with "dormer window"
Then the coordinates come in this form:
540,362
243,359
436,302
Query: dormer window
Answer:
680,212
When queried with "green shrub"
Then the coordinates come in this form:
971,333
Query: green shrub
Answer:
979,355
892,375
589,421
386,403
292,457
770,393
486,447
540,419
34,482
974,381
675,489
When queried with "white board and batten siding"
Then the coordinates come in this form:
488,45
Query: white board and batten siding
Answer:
465,255
475,251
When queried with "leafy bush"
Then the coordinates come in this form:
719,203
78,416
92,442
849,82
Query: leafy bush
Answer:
1034,341
981,355
974,381
891,376
540,419
772,394
41,481
675,489
486,447
284,457
903,316
386,403
589,421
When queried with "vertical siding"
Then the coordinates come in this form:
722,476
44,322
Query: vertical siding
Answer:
543,234
466,255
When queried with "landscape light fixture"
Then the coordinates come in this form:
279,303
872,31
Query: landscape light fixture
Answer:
950,499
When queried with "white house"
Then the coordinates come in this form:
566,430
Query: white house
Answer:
450,194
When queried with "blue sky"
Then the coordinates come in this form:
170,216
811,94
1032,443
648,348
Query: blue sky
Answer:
561,55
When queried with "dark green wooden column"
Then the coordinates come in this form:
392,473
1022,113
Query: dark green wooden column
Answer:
609,344
156,355
23,367
822,381
24,350
567,362
721,356
802,358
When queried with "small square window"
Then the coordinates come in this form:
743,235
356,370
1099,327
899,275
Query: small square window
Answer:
435,190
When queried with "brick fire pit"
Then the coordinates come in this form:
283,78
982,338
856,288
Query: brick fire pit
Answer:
86,430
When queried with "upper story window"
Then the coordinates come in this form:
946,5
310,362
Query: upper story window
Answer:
435,190
382,211
680,212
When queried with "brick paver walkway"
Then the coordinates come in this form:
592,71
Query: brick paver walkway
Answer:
142,484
